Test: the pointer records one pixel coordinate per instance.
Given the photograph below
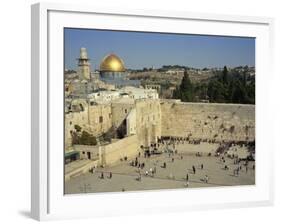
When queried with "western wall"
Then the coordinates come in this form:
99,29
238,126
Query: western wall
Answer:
210,121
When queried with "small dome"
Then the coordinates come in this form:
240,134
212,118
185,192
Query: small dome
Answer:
112,63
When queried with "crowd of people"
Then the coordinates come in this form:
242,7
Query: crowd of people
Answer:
169,147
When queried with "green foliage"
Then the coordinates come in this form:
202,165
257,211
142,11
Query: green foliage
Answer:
225,75
77,128
87,139
83,139
225,87
110,134
216,91
185,91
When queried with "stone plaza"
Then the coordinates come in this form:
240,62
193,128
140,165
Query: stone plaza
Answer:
126,177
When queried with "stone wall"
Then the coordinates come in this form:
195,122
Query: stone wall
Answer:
208,120
72,119
131,122
87,151
112,153
100,118
120,110
148,121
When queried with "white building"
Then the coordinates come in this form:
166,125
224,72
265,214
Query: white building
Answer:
104,96
139,93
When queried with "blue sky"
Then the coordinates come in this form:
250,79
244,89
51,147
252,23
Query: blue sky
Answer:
140,49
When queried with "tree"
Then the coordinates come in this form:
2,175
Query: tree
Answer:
225,75
185,91
239,94
217,91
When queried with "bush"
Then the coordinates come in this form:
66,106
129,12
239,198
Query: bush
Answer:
77,128
87,139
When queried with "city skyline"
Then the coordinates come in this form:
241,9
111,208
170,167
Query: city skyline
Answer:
143,49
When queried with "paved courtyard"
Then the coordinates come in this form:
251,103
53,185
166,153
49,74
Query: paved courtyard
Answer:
126,177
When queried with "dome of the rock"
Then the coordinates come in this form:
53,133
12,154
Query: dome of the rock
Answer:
112,63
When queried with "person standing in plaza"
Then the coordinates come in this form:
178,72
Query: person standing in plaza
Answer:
194,170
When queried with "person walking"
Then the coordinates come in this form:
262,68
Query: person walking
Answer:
194,170
187,177
202,166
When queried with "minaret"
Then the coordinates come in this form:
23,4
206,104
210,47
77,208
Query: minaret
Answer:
84,65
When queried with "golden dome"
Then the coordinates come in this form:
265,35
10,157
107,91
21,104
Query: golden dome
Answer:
112,63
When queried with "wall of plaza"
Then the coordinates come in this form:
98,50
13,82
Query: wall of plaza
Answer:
209,121
100,118
112,153
70,120
120,110
148,121
95,119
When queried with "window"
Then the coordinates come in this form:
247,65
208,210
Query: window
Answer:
101,119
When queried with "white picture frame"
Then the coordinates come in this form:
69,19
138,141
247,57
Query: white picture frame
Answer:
48,201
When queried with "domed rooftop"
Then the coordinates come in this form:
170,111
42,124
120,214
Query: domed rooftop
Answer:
112,63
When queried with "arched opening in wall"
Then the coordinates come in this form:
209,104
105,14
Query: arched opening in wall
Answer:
122,129
89,155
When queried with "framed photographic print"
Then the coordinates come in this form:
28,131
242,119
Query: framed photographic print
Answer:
148,111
